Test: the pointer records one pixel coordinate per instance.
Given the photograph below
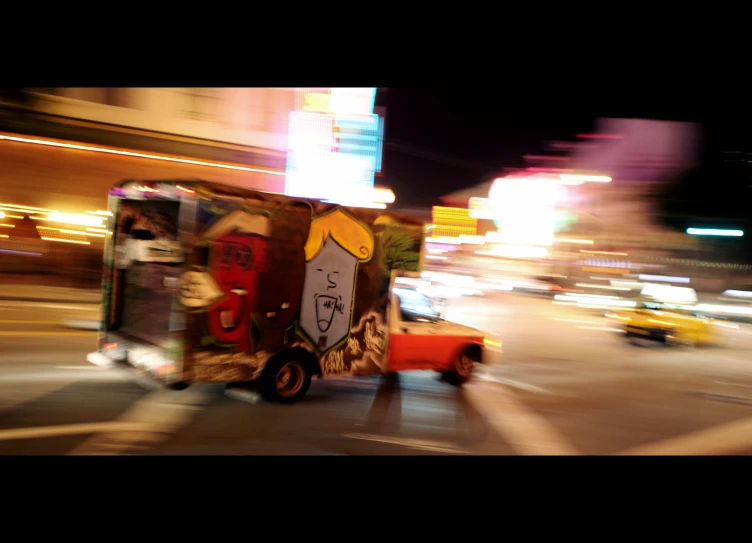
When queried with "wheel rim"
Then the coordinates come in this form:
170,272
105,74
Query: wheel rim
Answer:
465,365
290,379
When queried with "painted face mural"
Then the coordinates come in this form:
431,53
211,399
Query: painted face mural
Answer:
336,244
328,293
237,257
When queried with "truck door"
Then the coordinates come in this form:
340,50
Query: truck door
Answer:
415,339
147,267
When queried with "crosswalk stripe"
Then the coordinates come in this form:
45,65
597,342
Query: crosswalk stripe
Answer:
156,417
526,431
725,439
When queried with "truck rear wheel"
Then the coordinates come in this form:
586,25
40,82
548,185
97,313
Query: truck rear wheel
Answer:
286,379
178,386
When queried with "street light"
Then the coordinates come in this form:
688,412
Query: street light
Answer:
579,179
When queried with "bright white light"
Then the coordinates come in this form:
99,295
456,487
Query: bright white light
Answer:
315,170
352,101
590,302
525,210
714,232
383,195
585,178
589,285
480,208
738,293
447,291
665,278
61,240
443,239
576,321
588,296
515,251
670,294
472,240
723,309
82,220
577,241
451,279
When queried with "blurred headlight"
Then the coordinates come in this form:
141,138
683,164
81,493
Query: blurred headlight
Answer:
492,343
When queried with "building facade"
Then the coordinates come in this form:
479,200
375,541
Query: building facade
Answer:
236,136
247,117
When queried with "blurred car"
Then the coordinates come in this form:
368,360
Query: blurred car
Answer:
665,323
420,339
539,286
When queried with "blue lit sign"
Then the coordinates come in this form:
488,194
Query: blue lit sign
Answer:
335,144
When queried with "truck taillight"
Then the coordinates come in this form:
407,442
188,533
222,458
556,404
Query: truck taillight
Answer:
110,346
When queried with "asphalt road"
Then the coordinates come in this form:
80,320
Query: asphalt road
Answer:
568,384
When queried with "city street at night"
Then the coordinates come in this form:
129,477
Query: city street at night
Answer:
581,390
360,271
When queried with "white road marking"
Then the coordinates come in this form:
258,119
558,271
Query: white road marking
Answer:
23,380
602,328
156,416
10,399
247,396
526,431
69,430
489,377
731,438
724,325
423,445
575,321
584,380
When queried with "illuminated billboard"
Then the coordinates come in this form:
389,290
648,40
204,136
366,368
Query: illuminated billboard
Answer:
453,222
335,145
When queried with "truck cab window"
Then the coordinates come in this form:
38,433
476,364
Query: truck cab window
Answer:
415,307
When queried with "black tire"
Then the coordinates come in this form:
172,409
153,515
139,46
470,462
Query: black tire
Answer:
286,378
463,367
178,386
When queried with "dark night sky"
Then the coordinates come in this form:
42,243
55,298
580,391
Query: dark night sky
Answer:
439,140
442,140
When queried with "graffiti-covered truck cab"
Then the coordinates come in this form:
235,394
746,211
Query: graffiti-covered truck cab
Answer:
208,283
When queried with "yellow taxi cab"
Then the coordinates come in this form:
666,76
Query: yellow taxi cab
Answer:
657,317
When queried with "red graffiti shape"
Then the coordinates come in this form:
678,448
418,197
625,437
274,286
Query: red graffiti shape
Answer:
235,263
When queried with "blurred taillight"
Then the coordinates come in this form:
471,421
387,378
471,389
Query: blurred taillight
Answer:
110,346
